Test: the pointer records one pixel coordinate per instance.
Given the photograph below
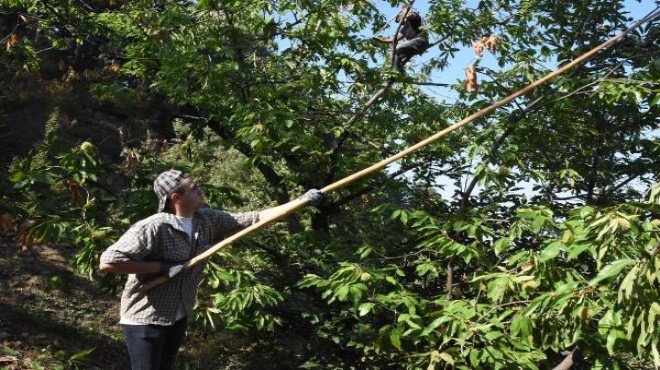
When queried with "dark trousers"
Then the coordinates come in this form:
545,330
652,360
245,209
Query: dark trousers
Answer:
408,49
153,347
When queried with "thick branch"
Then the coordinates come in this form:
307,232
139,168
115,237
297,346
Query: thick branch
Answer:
426,83
335,206
268,172
450,278
334,156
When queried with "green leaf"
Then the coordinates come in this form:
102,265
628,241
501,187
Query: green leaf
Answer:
365,308
653,312
7,350
474,358
413,324
497,288
501,245
611,270
522,325
538,223
342,292
435,323
391,280
493,335
611,340
551,251
586,211
576,250
626,287
395,338
446,357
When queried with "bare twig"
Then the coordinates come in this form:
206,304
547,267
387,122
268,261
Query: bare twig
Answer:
10,33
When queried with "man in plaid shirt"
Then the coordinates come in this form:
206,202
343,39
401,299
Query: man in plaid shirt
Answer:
154,322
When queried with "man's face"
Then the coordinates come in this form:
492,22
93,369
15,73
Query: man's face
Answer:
192,198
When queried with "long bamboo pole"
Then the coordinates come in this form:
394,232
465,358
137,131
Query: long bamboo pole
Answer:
297,204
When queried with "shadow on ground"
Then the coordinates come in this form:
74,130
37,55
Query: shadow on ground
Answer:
52,317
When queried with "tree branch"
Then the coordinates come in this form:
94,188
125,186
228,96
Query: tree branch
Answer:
426,83
450,278
334,155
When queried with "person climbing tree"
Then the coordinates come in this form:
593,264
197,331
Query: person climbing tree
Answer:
416,39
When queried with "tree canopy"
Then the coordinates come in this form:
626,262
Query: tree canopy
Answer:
527,238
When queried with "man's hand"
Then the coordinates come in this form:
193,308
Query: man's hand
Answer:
382,40
314,196
170,269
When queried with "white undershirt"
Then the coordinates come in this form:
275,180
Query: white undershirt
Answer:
187,226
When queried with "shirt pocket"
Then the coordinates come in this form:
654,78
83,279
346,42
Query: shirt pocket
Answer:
174,246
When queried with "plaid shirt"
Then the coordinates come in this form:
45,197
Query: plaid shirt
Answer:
161,238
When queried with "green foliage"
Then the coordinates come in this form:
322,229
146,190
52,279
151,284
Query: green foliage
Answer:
515,311
245,304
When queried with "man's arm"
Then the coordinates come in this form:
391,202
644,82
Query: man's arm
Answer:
389,40
273,212
314,196
132,267
144,267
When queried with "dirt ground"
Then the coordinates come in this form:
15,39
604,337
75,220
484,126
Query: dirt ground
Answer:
52,317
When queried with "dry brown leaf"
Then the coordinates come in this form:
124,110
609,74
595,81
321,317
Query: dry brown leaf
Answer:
471,79
67,122
490,43
71,75
78,193
114,67
131,161
12,41
24,237
478,47
6,223
486,42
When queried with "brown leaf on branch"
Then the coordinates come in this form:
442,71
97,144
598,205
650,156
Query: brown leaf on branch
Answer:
113,67
131,161
6,224
25,238
78,193
12,41
471,79
486,42
478,47
71,75
490,43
